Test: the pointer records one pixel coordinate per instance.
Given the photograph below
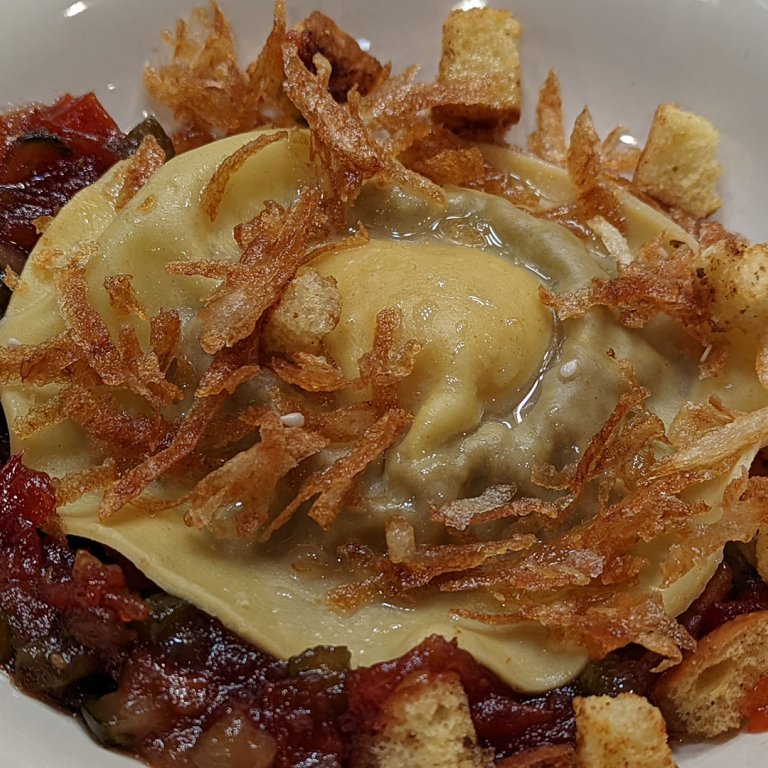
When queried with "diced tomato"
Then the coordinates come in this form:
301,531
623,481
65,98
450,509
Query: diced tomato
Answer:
81,114
47,154
757,707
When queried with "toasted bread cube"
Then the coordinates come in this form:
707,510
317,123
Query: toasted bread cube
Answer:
307,311
480,46
425,722
706,694
737,278
622,732
679,164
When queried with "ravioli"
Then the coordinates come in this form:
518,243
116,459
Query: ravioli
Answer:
500,388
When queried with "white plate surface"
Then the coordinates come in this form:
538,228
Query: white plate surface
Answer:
620,57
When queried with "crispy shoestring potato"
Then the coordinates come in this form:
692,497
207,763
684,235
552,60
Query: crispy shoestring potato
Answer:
270,428
148,158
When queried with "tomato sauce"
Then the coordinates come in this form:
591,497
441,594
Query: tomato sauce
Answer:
152,675
47,154
757,707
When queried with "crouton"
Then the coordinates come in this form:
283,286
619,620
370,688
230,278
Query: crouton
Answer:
737,277
309,308
480,46
706,694
622,732
425,722
679,164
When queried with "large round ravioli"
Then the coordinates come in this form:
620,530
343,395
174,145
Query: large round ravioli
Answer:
499,387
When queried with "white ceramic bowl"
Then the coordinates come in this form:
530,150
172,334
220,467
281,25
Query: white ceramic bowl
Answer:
620,57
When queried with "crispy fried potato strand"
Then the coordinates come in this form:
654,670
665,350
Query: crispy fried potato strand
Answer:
425,564
312,373
602,622
647,288
744,512
338,425
585,165
717,447
349,154
265,75
343,424
408,567
615,243
144,372
548,140
271,260
586,552
400,538
462,513
84,323
622,449
401,104
130,485
441,156
102,417
331,485
40,363
123,365
249,480
76,484
494,503
165,337
214,190
204,86
389,361
620,158
231,367
141,167
695,419
122,296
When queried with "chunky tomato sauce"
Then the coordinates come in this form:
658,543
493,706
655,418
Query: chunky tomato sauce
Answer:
152,675
47,154
757,707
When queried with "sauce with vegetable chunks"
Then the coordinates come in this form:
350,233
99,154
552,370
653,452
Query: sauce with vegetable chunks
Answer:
152,675
47,154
